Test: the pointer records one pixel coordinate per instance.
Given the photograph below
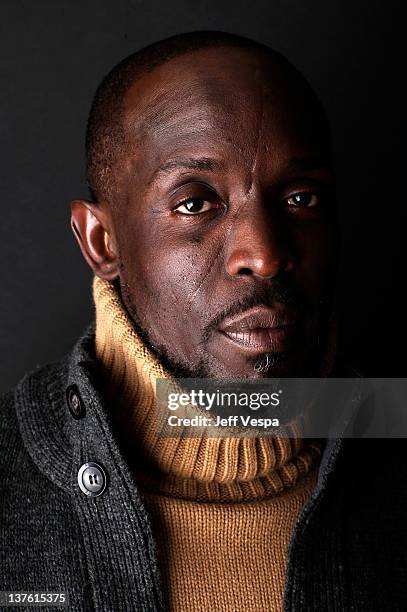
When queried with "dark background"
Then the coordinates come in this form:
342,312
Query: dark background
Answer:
54,53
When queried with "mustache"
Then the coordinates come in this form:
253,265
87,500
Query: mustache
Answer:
277,292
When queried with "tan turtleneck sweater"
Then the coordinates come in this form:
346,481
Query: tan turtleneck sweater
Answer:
223,509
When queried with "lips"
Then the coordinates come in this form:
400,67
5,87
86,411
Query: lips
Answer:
261,329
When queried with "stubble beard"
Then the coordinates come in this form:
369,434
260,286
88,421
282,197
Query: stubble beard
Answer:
268,364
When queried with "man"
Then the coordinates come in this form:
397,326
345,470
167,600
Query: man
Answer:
212,233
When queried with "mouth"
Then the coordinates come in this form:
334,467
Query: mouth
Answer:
261,329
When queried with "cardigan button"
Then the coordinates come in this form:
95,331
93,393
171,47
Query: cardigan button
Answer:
92,479
75,403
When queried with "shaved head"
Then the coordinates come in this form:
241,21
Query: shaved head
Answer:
106,139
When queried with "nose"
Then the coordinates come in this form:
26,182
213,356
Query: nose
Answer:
258,245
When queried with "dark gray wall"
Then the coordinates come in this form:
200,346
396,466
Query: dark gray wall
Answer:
53,55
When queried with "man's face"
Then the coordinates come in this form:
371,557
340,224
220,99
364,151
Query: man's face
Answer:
226,229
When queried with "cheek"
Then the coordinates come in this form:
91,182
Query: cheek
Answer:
176,273
164,278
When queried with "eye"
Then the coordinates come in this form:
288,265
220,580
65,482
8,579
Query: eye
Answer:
194,206
303,199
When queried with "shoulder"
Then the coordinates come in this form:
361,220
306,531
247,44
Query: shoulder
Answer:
43,381
44,385
38,379
35,422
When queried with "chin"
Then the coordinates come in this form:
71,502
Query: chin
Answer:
270,365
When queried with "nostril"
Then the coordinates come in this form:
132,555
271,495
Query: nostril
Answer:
245,272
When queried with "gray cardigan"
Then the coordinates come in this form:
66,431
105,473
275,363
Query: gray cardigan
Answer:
348,550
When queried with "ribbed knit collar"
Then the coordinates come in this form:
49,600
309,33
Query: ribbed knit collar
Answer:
203,468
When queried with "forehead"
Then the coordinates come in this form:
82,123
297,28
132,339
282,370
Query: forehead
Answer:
225,102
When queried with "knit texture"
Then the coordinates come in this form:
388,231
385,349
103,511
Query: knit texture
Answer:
223,508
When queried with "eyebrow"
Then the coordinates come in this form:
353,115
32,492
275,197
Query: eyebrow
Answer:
309,164
202,163
212,165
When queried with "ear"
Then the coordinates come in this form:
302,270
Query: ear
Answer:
93,229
